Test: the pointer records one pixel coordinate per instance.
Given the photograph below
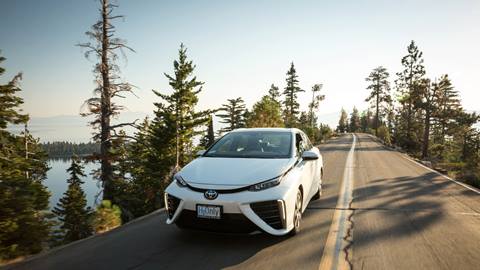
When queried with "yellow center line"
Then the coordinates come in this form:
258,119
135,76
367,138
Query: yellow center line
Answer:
333,253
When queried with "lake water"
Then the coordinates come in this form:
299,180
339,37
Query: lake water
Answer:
57,176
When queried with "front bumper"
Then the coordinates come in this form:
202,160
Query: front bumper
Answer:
244,211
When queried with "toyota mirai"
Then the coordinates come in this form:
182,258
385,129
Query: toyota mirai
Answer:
248,180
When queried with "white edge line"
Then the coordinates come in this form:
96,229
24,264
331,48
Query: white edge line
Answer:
405,156
441,174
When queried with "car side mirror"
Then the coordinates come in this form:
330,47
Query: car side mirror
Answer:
309,155
200,152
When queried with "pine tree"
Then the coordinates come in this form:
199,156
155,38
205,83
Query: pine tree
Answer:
449,107
315,104
274,93
173,129
380,93
232,114
354,120
24,227
209,138
291,105
266,113
407,85
142,191
105,48
72,210
343,122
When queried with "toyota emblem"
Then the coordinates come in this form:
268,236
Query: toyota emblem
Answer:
210,194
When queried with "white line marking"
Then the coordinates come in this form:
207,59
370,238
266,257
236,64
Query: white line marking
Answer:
440,174
333,254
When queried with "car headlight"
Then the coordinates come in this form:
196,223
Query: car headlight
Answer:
266,184
180,181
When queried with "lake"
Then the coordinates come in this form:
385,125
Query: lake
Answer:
57,176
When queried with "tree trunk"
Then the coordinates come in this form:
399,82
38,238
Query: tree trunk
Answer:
378,103
426,133
105,144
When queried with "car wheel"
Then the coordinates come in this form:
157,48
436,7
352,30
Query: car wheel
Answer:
297,214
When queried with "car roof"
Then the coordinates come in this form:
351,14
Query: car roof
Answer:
292,130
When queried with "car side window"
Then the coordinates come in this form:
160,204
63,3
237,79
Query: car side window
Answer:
299,144
307,144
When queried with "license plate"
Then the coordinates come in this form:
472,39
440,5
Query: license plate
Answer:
209,211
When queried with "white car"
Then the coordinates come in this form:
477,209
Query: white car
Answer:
248,180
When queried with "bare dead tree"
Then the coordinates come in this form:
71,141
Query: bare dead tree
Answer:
105,48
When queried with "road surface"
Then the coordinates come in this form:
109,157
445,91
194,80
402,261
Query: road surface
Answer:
399,215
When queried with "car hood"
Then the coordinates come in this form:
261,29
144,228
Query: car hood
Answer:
211,172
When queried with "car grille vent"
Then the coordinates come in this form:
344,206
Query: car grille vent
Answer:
269,212
173,203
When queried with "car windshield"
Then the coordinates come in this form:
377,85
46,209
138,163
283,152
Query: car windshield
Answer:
253,144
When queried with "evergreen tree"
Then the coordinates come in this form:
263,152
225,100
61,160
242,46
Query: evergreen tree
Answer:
343,122
366,121
354,120
105,48
24,227
209,138
265,113
172,131
291,105
380,93
142,191
72,210
274,93
407,83
315,104
449,107
232,114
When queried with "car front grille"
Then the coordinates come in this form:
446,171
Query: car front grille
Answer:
172,205
269,212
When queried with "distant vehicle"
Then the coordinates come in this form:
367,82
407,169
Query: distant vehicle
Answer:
250,179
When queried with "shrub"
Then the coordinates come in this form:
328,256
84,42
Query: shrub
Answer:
107,217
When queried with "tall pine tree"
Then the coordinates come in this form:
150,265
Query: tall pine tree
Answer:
106,48
343,122
174,127
291,105
354,120
380,93
407,85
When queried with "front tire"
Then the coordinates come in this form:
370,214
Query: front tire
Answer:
297,214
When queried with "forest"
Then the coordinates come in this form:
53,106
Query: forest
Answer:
69,149
423,117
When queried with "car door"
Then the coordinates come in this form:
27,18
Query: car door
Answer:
304,166
311,167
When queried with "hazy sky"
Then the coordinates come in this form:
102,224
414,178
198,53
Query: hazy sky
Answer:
239,47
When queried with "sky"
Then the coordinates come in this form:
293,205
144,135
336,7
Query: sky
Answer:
239,47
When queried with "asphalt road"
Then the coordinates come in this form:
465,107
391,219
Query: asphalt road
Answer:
401,216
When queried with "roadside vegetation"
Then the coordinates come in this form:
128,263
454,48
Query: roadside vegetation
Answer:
134,168
421,116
